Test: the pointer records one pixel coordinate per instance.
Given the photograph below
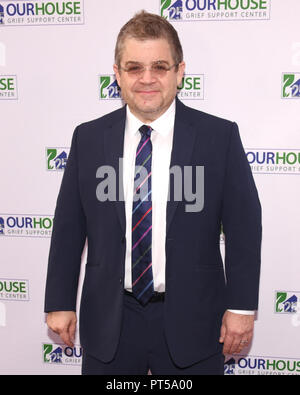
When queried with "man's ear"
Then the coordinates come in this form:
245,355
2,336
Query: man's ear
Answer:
180,73
117,74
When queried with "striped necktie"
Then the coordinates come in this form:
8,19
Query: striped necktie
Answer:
141,254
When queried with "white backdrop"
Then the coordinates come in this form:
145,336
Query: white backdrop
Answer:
243,64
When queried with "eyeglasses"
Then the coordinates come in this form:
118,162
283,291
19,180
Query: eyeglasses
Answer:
157,69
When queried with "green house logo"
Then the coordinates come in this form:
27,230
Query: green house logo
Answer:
191,87
57,158
108,87
290,86
57,354
286,302
214,10
8,87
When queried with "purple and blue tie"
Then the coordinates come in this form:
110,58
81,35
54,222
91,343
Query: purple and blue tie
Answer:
141,254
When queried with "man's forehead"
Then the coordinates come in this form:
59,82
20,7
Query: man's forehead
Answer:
146,47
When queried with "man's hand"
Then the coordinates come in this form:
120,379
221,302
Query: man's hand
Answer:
236,332
64,324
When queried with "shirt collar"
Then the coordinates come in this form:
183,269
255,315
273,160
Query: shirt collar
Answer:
162,125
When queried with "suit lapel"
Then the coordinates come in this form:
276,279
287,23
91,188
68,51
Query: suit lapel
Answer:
183,143
114,144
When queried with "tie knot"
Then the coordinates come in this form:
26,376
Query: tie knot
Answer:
145,130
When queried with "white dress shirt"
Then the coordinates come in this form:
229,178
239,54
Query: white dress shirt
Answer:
162,139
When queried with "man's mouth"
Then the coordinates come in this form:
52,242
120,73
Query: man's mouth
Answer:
147,92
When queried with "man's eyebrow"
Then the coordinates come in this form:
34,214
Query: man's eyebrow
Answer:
130,62
161,61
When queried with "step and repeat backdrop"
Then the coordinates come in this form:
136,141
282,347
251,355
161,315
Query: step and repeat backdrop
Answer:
56,58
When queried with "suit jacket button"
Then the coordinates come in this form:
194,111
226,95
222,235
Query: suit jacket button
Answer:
123,240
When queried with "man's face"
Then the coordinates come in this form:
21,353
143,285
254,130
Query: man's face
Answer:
148,95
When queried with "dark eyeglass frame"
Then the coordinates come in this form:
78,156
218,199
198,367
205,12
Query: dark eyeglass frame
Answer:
158,68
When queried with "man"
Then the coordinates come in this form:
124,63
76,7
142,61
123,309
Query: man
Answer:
154,294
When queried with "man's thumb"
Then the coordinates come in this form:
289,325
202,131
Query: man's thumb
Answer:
222,334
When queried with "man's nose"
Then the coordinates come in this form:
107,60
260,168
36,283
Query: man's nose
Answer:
147,76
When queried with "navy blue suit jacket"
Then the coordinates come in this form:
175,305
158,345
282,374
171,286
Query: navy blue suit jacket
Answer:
197,291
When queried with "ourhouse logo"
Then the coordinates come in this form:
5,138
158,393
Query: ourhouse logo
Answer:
37,12
58,354
290,86
8,87
26,225
215,10
254,365
108,87
14,289
274,161
56,158
286,302
191,87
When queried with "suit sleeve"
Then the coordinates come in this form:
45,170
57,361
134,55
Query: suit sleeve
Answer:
241,218
68,239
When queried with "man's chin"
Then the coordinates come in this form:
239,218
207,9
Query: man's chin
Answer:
148,111
148,108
